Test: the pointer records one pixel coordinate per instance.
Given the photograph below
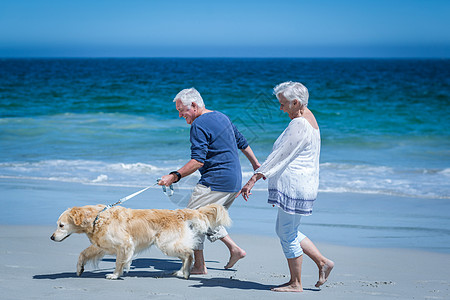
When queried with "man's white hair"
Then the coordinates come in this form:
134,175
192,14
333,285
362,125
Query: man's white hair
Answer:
292,91
189,96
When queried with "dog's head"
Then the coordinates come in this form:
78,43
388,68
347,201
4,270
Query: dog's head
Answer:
74,220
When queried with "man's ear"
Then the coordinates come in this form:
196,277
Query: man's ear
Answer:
194,105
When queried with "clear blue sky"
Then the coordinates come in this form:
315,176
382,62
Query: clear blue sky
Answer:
282,28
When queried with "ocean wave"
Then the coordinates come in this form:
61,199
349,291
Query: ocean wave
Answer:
409,182
445,172
84,171
334,177
73,180
387,192
136,167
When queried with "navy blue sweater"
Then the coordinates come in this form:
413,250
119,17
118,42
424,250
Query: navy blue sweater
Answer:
215,142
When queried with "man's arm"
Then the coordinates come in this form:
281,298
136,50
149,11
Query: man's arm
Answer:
248,152
189,168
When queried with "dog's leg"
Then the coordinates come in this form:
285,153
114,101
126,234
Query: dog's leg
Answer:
185,270
90,254
123,259
187,265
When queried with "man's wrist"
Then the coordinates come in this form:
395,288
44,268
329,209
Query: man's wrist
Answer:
177,175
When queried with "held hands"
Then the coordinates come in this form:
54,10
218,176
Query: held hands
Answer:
246,190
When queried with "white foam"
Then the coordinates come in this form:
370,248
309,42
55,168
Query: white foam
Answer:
135,167
445,172
100,178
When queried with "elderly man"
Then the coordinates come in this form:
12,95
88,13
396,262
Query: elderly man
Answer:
214,144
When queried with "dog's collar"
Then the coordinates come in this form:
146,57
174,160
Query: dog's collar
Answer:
98,215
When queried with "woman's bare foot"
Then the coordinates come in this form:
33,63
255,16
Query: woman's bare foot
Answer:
324,272
236,255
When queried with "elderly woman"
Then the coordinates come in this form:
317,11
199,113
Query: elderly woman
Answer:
293,172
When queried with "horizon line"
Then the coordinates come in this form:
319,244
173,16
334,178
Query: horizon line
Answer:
225,57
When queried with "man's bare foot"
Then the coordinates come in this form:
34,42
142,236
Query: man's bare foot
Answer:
235,256
199,271
288,287
284,284
324,272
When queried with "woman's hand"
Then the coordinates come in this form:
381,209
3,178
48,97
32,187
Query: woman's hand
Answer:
246,190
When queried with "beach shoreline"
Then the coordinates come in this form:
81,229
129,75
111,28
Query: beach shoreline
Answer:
349,219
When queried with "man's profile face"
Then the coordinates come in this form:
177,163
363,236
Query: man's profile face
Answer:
188,114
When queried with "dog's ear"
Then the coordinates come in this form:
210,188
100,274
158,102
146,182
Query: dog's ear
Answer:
77,215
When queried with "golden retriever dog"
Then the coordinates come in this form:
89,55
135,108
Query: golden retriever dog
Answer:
124,232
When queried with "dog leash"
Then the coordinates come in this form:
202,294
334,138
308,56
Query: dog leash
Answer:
122,200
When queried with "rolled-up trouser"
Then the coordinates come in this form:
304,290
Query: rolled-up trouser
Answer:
287,229
201,196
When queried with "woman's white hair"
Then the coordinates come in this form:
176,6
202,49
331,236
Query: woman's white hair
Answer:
292,91
189,96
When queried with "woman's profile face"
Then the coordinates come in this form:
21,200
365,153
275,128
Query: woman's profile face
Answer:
284,103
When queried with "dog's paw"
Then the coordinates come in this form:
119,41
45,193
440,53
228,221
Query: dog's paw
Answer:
80,270
112,276
180,273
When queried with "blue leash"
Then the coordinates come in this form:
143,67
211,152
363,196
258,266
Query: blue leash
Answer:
122,200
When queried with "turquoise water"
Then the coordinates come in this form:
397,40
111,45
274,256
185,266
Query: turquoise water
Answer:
384,123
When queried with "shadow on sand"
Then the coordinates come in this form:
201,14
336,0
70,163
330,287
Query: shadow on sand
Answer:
161,268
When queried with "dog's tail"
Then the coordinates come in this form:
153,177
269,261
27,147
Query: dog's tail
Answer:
216,214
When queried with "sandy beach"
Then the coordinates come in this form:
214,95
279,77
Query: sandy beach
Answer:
34,267
376,255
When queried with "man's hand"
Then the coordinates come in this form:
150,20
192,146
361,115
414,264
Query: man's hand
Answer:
189,168
167,180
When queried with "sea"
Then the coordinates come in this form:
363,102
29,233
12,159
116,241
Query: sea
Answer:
111,122
384,123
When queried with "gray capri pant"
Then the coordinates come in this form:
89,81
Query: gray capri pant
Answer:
201,196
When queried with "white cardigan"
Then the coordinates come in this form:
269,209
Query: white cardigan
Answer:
293,168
